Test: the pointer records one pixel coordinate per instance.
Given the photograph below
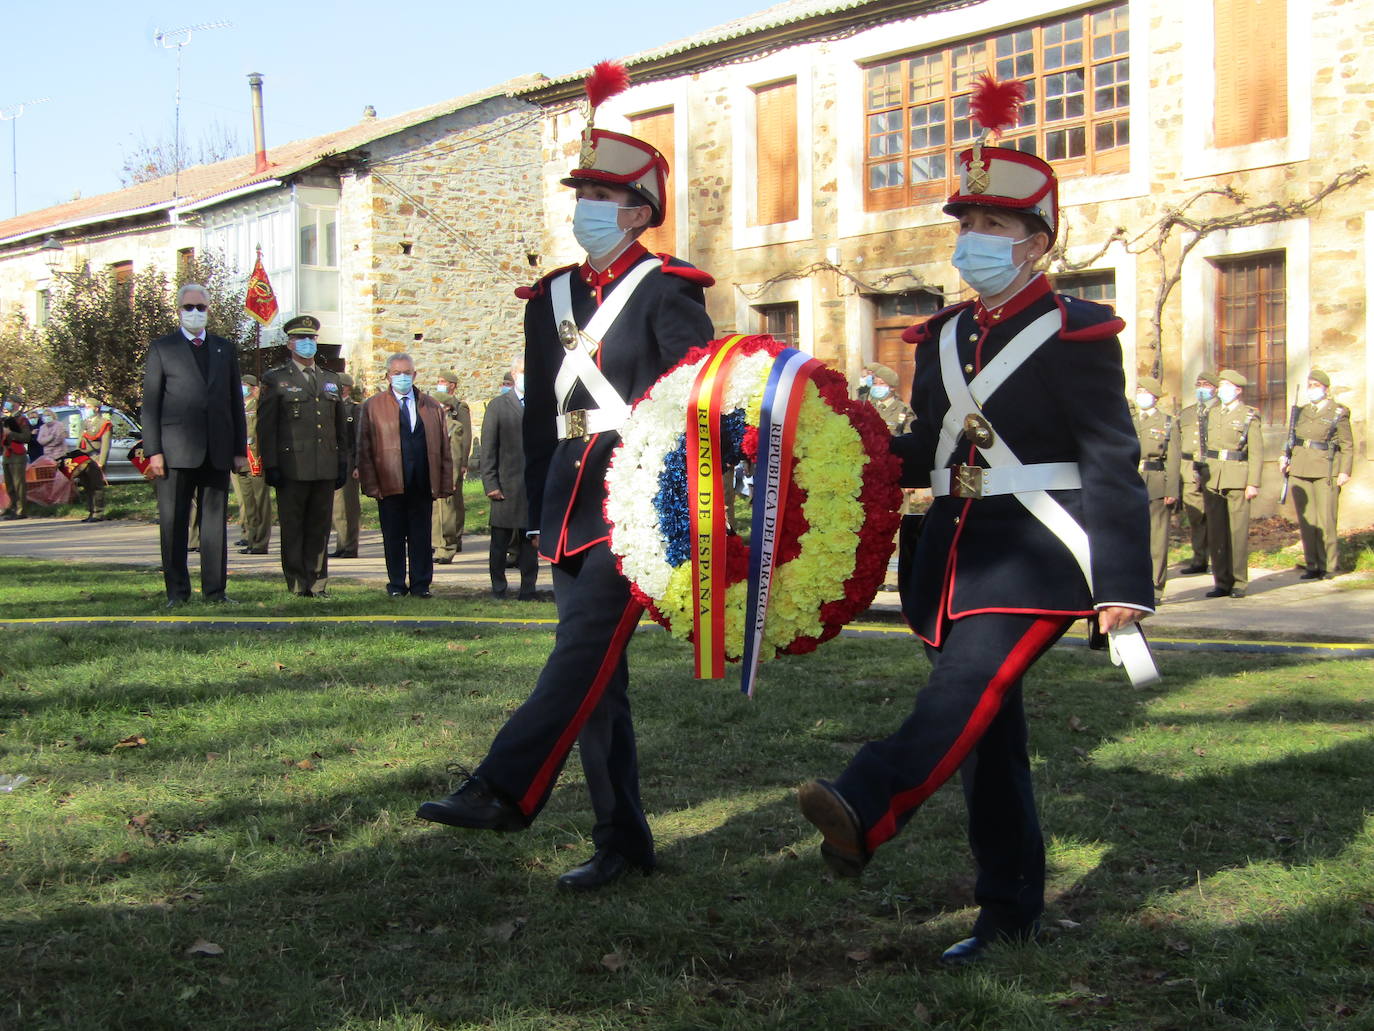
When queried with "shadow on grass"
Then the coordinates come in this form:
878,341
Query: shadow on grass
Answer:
335,909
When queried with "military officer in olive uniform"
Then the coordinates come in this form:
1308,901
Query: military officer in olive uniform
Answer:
882,395
1192,424
255,499
348,507
1322,460
450,512
303,436
1159,468
1235,459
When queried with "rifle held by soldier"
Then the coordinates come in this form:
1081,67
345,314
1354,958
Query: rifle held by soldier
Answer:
1290,443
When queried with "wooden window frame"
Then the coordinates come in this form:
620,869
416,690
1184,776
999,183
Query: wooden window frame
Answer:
1072,283
646,125
916,106
1257,309
777,170
789,311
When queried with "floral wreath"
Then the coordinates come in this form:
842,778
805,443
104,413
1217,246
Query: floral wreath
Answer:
836,528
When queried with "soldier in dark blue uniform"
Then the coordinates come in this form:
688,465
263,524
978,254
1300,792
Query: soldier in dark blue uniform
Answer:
1039,519
597,337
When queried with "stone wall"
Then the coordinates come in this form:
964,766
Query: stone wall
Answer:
836,257
438,225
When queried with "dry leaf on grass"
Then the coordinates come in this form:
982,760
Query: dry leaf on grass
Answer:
132,741
858,955
613,961
201,947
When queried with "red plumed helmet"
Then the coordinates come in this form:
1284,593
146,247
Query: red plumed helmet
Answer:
997,105
606,80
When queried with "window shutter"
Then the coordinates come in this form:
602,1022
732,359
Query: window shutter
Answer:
1251,62
776,149
656,129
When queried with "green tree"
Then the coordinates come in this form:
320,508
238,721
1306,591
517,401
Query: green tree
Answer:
99,327
25,371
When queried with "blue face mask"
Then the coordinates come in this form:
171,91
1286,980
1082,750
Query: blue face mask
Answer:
505,388
984,262
879,391
596,225
246,390
306,347
401,383
1204,393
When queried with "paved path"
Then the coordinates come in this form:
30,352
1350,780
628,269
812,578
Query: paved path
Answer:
1278,604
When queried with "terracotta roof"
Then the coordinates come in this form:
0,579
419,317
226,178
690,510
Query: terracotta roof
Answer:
799,16
205,182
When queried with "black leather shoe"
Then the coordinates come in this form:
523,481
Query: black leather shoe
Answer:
970,950
1313,574
1218,592
241,543
343,554
438,561
1238,592
423,592
252,551
472,805
175,602
598,871
1194,569
843,848
392,592
223,599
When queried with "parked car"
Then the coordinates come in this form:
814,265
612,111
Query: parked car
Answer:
127,434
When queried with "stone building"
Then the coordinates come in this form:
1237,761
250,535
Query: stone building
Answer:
401,234
812,146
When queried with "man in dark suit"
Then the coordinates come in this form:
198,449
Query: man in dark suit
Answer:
638,315
503,478
194,434
405,463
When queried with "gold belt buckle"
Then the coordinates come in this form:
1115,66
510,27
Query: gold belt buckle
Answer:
967,481
577,424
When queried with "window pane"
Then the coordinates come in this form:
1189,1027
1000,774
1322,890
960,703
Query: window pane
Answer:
319,290
885,175
331,238
310,244
928,169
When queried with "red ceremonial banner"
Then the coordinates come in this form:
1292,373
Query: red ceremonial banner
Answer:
260,302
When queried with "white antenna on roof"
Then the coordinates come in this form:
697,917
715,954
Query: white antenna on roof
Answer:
178,39
12,114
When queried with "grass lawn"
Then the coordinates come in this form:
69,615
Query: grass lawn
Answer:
219,834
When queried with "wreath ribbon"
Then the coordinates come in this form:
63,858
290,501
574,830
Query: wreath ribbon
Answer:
782,398
708,524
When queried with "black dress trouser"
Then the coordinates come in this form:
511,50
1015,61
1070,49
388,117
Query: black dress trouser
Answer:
969,717
407,534
210,488
581,695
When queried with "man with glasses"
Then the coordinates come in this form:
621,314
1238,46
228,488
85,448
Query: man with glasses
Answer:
194,434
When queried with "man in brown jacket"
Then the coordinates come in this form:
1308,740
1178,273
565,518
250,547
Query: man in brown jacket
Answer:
405,463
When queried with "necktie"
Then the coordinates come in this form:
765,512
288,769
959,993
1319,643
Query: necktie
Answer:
197,341
405,412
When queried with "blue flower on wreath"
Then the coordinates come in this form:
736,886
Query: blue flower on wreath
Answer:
674,512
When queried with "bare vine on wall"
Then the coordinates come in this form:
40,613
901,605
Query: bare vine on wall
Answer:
1155,238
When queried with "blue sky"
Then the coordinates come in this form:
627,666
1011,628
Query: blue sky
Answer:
108,85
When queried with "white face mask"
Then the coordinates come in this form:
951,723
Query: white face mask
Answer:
985,262
194,321
1228,392
1144,400
1316,395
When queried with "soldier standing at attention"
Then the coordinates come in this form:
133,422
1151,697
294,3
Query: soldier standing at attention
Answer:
1320,466
301,431
255,499
882,395
450,512
597,336
348,508
1159,468
1192,422
1235,460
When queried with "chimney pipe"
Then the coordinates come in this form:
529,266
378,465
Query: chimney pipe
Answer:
259,135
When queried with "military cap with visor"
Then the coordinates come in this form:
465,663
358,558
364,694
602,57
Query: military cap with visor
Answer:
302,326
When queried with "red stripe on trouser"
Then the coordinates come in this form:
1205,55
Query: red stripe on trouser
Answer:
1041,633
629,619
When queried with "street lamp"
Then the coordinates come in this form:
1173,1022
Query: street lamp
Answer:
51,248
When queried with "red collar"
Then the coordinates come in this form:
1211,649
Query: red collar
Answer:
596,280
1020,301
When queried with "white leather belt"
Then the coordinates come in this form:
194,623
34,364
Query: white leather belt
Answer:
583,422
973,481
